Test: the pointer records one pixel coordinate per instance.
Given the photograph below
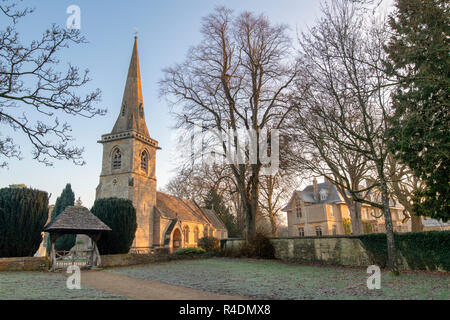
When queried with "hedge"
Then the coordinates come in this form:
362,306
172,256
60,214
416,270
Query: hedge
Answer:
189,251
421,250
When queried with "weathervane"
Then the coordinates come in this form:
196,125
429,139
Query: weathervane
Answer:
136,31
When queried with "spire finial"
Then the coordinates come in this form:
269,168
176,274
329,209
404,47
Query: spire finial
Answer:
136,32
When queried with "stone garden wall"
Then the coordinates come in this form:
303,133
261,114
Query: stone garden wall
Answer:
344,251
24,264
122,260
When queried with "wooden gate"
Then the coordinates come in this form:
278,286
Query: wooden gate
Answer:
78,258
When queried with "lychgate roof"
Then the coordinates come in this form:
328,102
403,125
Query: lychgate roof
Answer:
76,218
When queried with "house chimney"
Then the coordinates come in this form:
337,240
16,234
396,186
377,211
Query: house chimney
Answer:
316,190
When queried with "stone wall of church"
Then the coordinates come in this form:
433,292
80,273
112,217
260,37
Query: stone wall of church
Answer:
132,182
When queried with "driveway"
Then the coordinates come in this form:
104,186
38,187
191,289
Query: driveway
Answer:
139,289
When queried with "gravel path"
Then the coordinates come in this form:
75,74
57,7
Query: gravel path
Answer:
138,289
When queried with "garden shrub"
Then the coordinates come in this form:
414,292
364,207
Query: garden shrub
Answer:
347,226
189,251
23,214
262,247
259,246
209,244
120,216
421,250
367,227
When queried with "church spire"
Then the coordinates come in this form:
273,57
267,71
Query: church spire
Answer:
131,115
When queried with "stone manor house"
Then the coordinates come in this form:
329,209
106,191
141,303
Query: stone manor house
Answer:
128,171
319,209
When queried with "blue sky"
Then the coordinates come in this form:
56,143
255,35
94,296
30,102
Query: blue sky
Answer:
166,30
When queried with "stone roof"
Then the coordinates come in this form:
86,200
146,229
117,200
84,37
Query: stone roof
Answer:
172,207
131,116
77,219
332,195
217,222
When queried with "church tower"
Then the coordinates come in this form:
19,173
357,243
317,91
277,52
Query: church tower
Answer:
128,167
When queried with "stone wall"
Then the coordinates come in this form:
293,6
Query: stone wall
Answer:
108,261
24,264
338,250
122,260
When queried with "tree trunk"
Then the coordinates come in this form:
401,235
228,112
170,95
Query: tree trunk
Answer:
273,223
416,223
392,258
251,217
355,216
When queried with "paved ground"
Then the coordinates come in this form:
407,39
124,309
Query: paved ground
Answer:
139,289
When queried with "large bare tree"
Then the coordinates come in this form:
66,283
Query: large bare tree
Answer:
344,58
312,151
275,193
404,185
237,78
34,90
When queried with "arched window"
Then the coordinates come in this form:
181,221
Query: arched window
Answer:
211,232
141,110
196,234
186,234
144,161
298,208
205,231
124,109
116,159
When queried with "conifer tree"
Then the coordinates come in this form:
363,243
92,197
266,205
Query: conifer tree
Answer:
120,216
67,198
23,213
214,201
420,60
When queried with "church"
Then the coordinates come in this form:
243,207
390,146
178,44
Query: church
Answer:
129,171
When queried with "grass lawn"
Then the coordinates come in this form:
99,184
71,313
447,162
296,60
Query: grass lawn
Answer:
44,286
265,279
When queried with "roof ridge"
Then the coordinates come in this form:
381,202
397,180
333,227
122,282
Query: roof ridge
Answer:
195,213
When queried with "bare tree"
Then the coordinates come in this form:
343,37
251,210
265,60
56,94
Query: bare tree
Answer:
403,185
275,193
33,91
312,151
238,77
344,58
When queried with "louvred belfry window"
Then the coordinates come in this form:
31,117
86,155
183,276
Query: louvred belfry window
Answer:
144,161
117,159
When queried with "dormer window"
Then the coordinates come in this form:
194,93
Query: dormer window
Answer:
116,159
144,161
141,110
124,109
323,195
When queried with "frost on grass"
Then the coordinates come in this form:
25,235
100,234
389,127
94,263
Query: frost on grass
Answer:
262,279
44,286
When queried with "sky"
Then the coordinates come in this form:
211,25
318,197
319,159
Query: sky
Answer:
166,30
